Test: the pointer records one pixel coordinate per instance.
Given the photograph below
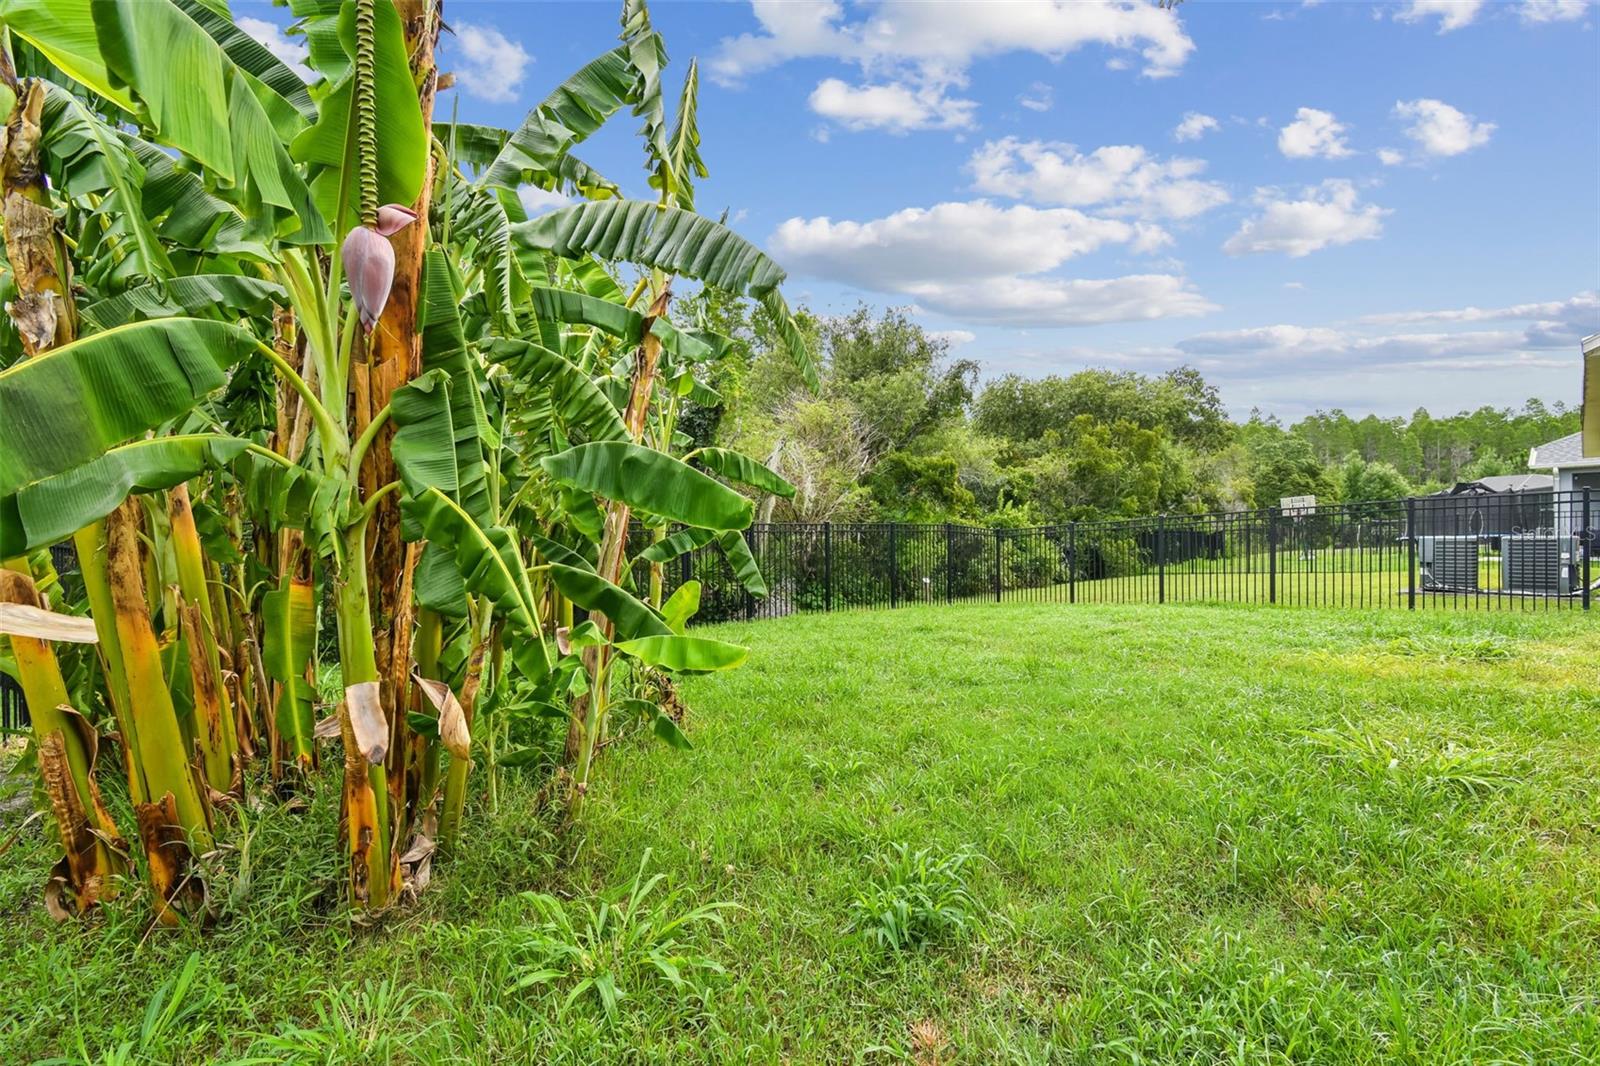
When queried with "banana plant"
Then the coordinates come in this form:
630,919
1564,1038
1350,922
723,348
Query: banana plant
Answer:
212,402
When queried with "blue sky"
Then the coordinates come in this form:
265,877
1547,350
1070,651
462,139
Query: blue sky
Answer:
1372,207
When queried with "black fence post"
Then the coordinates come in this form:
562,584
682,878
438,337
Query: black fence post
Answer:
1072,562
1411,553
894,564
1272,555
949,563
1587,546
827,566
749,597
1161,558
686,568
997,565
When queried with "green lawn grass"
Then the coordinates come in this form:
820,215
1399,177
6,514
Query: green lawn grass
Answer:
1147,835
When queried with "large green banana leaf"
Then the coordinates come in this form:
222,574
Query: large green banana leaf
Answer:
688,655
53,509
554,551
630,617
402,137
651,481
251,56
470,144
683,147
737,551
480,224
438,585
226,296
674,241
288,640
63,408
576,308
669,548
279,495
154,61
486,556
743,469
87,158
441,428
576,400
189,215
647,57
537,151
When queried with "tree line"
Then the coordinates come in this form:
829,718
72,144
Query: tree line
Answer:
901,430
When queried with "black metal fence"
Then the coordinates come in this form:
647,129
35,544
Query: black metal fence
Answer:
1423,553
1435,552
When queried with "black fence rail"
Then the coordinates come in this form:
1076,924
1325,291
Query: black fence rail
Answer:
1423,553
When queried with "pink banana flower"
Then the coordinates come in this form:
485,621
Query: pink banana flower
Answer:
369,261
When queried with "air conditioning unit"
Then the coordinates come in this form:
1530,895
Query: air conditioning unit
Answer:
1535,563
1448,562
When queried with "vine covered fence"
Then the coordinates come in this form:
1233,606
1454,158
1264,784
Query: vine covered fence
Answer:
1530,551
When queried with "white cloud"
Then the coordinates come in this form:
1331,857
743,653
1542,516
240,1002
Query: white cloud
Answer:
1383,363
953,338
947,242
949,36
979,261
1326,214
1439,129
1039,97
895,107
1553,10
915,52
1531,330
494,65
1124,179
290,52
1452,14
1313,134
1578,315
1194,126
1391,157
1051,302
537,201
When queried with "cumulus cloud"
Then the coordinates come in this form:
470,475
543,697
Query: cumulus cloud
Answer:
1327,214
980,261
951,35
493,66
1452,14
1046,302
1122,179
1535,11
1313,134
947,242
1391,157
895,107
1439,129
1195,126
953,338
537,201
923,50
290,52
1039,97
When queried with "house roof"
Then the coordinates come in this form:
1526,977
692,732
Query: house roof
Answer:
1565,452
1506,483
